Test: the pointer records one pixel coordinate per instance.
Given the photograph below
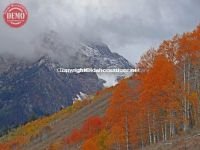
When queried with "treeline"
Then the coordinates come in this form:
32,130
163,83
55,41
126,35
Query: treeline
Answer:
155,105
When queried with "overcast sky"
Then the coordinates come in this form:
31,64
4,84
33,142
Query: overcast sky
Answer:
129,27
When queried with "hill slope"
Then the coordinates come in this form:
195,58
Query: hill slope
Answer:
63,127
41,133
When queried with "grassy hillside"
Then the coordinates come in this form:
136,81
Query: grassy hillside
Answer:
40,133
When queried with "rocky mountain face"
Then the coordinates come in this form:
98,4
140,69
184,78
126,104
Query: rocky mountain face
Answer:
31,89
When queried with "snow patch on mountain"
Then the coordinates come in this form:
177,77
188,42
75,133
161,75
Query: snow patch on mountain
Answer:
80,97
89,51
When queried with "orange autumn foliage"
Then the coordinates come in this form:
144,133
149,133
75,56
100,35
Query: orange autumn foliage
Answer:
153,105
90,128
74,137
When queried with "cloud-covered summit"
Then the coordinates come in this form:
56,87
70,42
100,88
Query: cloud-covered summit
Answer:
129,26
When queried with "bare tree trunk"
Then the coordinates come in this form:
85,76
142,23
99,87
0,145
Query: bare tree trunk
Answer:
165,131
154,137
170,128
158,136
127,132
154,127
188,92
141,137
150,135
197,90
118,147
185,99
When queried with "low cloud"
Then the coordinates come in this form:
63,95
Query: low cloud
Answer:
128,27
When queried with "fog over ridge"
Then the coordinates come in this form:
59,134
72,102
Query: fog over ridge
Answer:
129,27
